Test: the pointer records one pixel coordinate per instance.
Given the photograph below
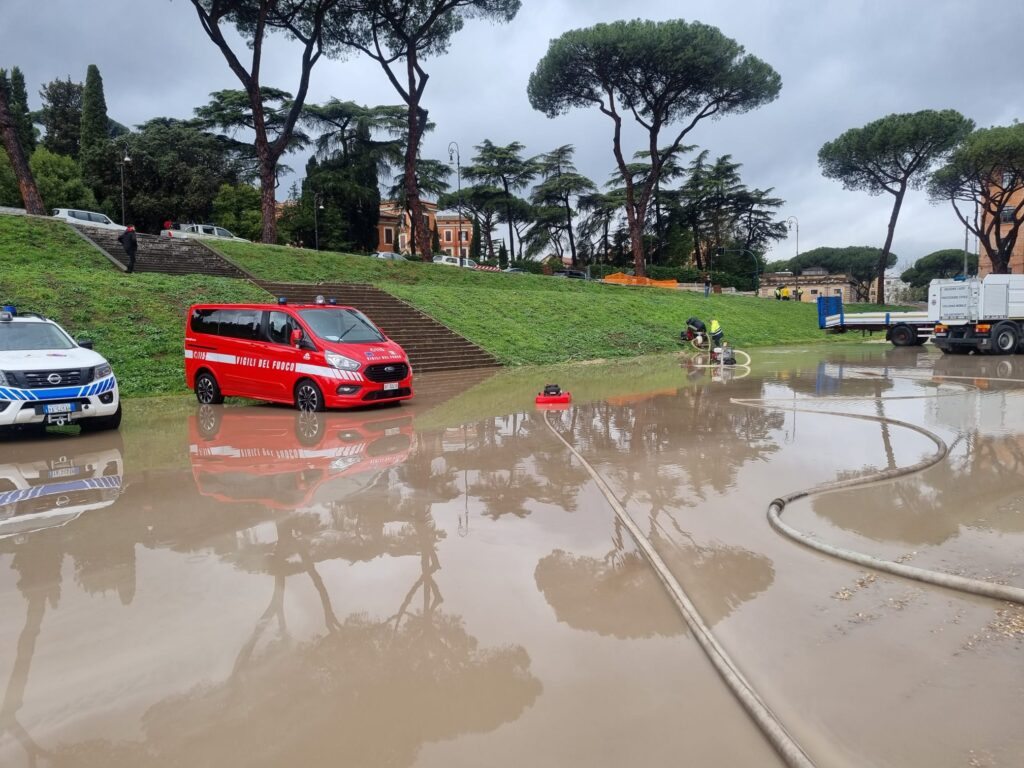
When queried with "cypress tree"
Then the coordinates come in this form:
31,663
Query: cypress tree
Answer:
95,123
18,103
94,135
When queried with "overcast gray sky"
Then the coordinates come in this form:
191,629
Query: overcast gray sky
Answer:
843,64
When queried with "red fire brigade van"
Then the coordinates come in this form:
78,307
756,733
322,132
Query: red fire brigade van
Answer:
315,356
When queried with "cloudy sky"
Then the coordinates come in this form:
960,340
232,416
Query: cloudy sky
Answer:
843,64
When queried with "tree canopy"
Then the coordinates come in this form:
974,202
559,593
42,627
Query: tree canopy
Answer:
946,263
983,179
891,155
663,74
393,31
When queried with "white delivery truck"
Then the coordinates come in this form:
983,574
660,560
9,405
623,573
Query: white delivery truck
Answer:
978,315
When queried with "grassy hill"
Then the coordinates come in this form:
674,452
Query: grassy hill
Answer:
137,320
532,319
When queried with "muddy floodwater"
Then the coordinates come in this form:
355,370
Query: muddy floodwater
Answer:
445,584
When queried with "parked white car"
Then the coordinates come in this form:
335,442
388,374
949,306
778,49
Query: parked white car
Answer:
212,231
86,218
46,377
454,261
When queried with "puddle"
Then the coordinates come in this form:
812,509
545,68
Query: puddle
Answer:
443,584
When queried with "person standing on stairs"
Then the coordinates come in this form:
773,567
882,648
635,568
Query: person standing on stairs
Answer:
131,246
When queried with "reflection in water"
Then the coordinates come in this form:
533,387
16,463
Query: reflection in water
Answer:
972,486
50,484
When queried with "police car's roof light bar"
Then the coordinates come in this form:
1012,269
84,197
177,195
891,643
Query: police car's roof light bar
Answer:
282,300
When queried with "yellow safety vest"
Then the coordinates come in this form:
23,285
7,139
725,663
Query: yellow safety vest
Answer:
715,327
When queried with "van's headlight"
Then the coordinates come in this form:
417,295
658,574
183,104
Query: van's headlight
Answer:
340,361
101,371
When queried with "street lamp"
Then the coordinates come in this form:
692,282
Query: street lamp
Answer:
453,154
317,206
125,159
794,223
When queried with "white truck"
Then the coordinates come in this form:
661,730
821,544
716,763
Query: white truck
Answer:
978,315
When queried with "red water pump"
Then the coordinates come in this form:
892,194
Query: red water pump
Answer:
553,395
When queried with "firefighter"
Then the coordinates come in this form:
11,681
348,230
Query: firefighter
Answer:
716,332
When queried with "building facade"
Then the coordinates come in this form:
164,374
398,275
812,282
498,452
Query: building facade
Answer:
812,283
1013,199
454,232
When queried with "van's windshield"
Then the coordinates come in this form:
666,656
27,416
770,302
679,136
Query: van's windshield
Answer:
28,336
341,325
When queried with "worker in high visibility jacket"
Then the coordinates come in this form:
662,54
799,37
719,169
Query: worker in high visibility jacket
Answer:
716,331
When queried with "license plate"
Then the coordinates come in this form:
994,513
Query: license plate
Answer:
67,472
60,407
391,385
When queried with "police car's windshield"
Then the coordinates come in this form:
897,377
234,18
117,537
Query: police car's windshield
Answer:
341,325
27,336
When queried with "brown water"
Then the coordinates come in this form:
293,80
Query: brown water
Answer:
441,584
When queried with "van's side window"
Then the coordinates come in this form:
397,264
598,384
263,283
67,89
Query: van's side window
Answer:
205,321
279,329
240,324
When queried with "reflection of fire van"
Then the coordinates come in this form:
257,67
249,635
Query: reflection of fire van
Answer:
314,356
281,459
55,486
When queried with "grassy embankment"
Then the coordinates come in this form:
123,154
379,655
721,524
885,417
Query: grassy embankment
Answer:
136,321
532,319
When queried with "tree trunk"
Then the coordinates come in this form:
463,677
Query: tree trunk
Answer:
511,250
417,121
26,182
572,238
268,202
880,293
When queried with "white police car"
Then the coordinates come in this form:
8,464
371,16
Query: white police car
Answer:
48,378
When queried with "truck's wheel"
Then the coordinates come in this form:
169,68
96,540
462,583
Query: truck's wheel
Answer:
102,423
1005,339
903,336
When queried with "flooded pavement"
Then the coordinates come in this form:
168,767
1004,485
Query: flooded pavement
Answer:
443,584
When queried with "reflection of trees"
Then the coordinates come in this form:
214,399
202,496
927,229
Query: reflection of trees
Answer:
619,594
931,507
655,446
39,583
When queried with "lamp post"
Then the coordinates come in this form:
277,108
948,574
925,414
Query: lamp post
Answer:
453,154
794,223
125,159
317,206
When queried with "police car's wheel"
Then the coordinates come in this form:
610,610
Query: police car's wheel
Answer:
207,390
308,396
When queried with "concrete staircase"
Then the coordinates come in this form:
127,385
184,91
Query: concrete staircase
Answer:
174,256
430,345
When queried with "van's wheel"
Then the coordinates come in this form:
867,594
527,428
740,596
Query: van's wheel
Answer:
902,336
207,389
102,423
308,396
1005,339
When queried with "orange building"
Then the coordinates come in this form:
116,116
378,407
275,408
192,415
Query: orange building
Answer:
1013,199
394,236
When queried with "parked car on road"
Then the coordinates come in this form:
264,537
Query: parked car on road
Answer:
571,273
211,231
86,218
390,256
